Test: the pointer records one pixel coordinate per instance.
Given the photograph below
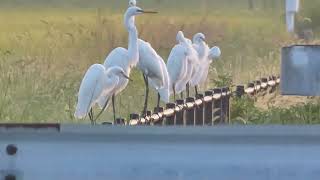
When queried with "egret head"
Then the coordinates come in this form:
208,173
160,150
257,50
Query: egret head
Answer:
130,13
215,52
180,37
134,11
199,37
132,3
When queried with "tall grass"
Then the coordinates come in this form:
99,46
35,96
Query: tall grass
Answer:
45,53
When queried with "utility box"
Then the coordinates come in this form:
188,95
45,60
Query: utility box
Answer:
300,70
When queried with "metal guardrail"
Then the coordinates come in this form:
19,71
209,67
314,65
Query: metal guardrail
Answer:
104,152
209,109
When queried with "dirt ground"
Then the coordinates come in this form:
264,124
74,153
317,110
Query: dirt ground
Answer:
277,100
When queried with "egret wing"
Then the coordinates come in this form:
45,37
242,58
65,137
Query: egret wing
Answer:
90,90
150,64
177,64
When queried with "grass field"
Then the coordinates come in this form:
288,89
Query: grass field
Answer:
45,51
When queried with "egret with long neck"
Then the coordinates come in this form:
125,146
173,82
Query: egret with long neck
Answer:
154,71
124,58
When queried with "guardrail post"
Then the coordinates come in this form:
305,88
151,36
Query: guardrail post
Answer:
251,85
135,117
171,119
180,115
217,110
224,106
265,81
149,113
258,83
189,115
228,104
160,121
273,88
120,121
208,106
240,91
199,121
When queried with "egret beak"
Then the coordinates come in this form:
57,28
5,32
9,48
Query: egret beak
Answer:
148,12
125,76
203,39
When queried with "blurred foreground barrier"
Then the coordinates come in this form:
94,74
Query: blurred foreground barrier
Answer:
212,108
133,153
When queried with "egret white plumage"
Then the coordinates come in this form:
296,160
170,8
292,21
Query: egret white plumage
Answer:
154,70
124,58
97,82
177,65
192,63
132,3
203,53
214,54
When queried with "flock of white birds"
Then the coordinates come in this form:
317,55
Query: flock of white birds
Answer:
187,65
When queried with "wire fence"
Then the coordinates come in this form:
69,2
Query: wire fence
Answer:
208,109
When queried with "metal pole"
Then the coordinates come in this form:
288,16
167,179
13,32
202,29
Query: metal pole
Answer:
160,121
120,121
189,115
199,121
208,106
240,91
228,105
224,106
179,115
170,119
217,108
134,116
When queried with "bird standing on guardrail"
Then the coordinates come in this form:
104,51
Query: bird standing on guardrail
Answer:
177,65
124,58
153,69
214,53
205,55
97,82
192,63
203,51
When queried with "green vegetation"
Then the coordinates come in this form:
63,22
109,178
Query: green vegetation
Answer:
245,112
46,47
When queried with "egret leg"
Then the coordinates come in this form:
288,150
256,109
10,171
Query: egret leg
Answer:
158,103
114,109
188,90
104,107
144,111
174,93
196,90
93,122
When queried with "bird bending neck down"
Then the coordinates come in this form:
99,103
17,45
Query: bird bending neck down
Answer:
124,58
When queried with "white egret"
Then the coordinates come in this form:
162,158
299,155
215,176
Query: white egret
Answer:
124,58
97,82
153,69
192,63
214,53
203,50
177,65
